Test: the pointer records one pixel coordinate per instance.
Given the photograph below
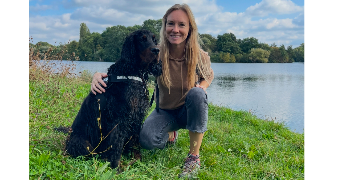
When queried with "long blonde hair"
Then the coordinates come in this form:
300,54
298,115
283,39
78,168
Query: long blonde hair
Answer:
192,47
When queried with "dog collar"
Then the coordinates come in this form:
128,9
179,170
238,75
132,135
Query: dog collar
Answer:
130,77
123,78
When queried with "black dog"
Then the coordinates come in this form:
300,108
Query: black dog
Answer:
109,123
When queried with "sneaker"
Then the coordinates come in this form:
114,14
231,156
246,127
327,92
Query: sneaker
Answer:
175,137
191,166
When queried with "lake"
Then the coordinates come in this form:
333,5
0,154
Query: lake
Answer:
273,91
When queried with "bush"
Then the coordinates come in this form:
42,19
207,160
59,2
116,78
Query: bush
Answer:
258,55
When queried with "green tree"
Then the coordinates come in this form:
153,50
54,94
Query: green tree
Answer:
209,42
227,57
86,49
275,55
154,26
228,43
284,56
72,49
222,57
290,52
205,43
248,43
84,32
258,55
299,53
265,46
113,39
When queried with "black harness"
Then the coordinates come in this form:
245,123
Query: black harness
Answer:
112,79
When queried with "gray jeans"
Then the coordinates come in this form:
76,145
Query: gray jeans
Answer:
193,115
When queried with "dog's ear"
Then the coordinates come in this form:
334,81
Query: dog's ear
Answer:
128,48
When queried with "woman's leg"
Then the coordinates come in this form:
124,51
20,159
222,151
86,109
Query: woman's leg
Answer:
154,132
197,117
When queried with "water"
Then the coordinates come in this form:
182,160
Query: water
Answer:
271,91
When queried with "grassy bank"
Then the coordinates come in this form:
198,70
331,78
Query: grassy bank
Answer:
237,144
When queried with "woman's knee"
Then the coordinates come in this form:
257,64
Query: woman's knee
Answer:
145,139
196,95
153,133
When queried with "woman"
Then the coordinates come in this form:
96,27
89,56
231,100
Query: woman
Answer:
182,87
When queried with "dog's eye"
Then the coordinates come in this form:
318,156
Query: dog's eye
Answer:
144,37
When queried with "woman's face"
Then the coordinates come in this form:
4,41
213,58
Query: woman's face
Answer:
177,27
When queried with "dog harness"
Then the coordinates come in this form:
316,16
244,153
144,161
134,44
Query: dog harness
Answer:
111,78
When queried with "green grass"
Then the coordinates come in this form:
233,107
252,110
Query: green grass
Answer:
237,144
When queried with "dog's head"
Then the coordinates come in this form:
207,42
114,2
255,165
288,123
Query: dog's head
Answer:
141,46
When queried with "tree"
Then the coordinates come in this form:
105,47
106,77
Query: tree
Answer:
265,46
290,52
299,53
273,45
227,57
209,42
205,43
154,26
113,39
275,55
222,57
258,55
228,43
86,49
72,50
284,56
248,43
84,32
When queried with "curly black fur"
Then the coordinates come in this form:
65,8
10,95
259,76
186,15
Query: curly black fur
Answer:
126,104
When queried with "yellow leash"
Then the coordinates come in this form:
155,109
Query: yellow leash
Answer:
99,124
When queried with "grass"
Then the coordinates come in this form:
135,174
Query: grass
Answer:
237,144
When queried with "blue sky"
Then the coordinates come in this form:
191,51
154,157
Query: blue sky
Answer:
270,21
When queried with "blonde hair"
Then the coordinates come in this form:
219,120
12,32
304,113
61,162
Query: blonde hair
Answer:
192,47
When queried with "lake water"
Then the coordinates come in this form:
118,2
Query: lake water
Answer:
273,91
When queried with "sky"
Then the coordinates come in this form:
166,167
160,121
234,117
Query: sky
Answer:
270,21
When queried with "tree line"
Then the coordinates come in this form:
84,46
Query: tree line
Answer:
226,48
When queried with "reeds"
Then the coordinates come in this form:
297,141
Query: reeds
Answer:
46,61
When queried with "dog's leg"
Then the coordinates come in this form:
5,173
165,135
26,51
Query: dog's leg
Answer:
136,148
115,156
133,147
77,146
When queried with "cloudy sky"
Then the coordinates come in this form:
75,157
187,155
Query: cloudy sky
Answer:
270,21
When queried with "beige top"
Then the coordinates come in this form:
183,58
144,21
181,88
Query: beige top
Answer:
178,75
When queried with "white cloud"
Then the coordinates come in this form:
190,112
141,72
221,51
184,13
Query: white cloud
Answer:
40,7
210,19
108,16
266,7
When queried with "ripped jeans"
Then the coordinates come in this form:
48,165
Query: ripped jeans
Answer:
193,115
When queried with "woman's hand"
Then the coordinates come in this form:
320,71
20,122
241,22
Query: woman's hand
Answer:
204,88
95,86
204,85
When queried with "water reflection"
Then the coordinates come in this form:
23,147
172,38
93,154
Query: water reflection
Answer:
269,94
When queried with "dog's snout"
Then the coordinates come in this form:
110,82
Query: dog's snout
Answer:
155,50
